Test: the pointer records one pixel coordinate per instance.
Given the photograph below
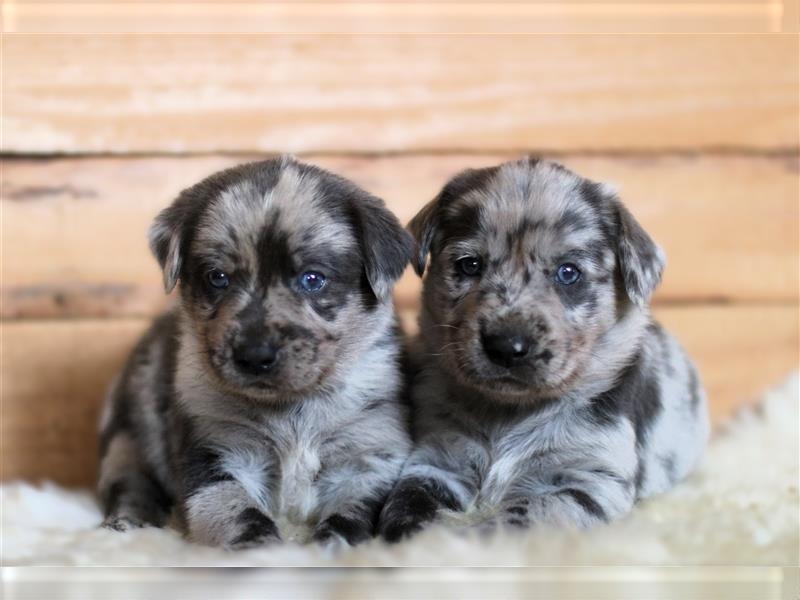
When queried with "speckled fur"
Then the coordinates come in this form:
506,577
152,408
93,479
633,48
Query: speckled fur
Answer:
605,409
307,450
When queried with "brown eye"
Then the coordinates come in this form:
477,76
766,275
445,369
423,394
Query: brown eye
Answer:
471,266
218,279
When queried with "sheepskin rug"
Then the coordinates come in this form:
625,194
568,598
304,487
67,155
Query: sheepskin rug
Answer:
740,508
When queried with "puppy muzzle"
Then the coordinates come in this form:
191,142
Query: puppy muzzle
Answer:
256,359
506,349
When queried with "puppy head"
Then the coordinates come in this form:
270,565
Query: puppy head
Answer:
286,272
530,266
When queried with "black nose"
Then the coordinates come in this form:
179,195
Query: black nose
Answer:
255,358
505,349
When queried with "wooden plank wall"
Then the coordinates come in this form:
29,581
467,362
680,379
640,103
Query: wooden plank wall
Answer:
408,16
700,132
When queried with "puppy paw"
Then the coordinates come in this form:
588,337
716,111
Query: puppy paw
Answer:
349,530
414,503
255,529
516,515
252,541
509,523
122,523
400,526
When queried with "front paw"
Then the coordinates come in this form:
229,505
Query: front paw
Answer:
348,529
397,526
408,509
122,523
515,515
254,529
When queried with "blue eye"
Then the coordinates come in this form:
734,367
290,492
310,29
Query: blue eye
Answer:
567,274
470,265
312,281
218,279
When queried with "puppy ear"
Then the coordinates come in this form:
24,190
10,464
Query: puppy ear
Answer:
385,245
165,237
641,261
423,227
427,221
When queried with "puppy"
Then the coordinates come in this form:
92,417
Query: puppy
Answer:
545,391
267,404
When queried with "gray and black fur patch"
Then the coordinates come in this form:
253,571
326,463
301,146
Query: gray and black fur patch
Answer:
636,396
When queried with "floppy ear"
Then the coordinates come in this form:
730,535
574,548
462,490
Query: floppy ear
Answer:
423,227
641,261
166,240
427,221
385,245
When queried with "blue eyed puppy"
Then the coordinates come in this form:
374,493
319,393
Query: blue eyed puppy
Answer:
545,392
267,404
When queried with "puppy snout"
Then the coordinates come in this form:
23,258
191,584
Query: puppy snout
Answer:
255,358
506,348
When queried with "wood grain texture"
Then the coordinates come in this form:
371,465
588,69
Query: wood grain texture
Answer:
304,93
56,373
395,17
790,17
74,229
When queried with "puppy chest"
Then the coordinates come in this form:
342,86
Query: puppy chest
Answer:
285,479
514,455
300,468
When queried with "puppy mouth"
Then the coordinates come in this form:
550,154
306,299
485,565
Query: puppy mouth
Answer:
514,388
268,386
507,385
506,382
498,381
483,374
270,390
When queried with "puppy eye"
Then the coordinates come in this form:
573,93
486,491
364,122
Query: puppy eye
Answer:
218,279
470,265
567,274
312,281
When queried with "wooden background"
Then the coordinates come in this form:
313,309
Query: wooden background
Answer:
699,131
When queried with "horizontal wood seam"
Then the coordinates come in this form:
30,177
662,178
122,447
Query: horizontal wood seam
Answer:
780,152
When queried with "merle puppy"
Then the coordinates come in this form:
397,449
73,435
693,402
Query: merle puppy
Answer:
266,405
545,391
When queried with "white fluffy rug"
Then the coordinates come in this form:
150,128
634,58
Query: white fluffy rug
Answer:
741,508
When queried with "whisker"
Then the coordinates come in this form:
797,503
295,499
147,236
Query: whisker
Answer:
449,345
